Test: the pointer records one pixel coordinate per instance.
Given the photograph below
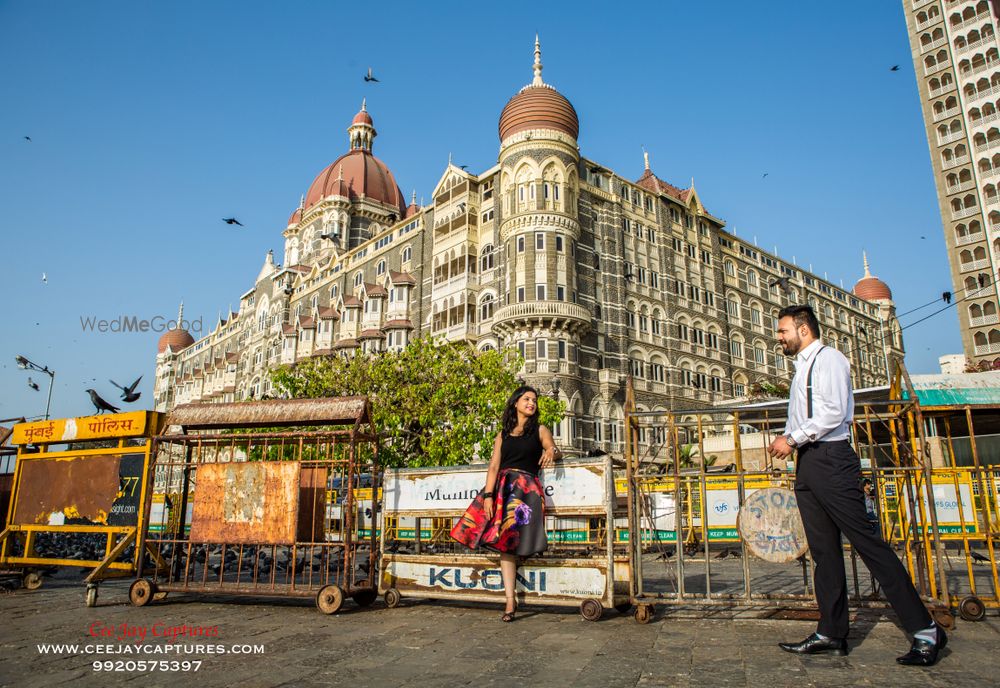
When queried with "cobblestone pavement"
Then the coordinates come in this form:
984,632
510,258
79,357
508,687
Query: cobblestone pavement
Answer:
444,644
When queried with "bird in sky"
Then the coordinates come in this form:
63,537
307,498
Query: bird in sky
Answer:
128,393
594,169
28,139
331,236
45,278
232,221
99,404
765,175
462,167
369,76
894,68
32,384
922,236
946,296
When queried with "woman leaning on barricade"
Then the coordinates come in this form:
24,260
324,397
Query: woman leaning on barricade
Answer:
509,515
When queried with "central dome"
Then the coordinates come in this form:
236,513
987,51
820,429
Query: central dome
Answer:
358,173
538,106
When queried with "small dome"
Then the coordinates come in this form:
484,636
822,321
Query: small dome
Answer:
176,339
538,106
871,288
295,217
362,118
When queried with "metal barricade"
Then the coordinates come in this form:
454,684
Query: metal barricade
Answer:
691,477
260,499
583,566
80,505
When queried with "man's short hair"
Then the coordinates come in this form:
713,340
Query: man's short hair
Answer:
803,315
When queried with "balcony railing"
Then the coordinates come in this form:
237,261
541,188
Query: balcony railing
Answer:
970,239
983,320
973,46
933,44
974,265
985,120
955,162
964,212
986,349
950,112
981,68
978,19
947,88
959,188
949,138
542,310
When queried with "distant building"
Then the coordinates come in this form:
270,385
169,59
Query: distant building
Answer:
591,276
957,60
952,364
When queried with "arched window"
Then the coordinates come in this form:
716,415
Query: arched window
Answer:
358,278
486,258
380,268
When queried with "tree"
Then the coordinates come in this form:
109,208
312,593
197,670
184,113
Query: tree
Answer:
434,403
769,390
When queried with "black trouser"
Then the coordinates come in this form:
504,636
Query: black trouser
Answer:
828,490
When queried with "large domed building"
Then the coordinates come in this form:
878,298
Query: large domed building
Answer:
590,275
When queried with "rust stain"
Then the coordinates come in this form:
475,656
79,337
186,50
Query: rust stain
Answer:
271,413
54,490
253,502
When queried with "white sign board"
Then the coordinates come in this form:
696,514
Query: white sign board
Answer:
568,581
573,486
946,502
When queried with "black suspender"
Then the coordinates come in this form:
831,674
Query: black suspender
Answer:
809,384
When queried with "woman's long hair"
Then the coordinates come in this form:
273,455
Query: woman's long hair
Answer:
509,420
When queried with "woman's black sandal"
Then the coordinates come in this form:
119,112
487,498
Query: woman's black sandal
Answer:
509,616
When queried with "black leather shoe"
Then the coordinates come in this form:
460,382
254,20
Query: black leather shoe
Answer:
814,645
923,653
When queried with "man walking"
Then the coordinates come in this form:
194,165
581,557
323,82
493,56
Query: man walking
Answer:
828,491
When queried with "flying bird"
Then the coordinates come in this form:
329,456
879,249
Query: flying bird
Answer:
369,76
781,283
28,139
894,68
594,170
45,278
128,393
765,176
331,236
32,384
99,404
462,167
946,296
232,221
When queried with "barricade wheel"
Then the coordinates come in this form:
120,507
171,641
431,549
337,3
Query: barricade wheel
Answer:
644,613
140,593
971,608
392,598
944,618
623,607
157,596
91,595
591,610
330,599
32,580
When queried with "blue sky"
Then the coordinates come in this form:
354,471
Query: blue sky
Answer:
152,121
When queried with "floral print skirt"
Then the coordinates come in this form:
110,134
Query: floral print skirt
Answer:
518,523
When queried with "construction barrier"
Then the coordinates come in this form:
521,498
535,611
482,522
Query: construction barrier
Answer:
275,509
690,510
76,480
582,567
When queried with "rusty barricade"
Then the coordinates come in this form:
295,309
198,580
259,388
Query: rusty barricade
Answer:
260,499
76,496
583,567
692,476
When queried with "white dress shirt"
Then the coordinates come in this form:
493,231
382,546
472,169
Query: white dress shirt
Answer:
833,399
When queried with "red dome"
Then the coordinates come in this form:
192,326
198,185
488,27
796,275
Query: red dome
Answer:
355,174
175,339
538,107
872,289
362,118
295,217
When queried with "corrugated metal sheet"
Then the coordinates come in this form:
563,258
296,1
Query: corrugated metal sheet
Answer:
973,389
271,413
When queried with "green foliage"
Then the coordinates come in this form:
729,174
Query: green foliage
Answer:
769,390
434,403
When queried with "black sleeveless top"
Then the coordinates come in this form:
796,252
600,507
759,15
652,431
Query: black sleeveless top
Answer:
522,452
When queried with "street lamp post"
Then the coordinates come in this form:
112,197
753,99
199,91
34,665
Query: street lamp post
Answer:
24,364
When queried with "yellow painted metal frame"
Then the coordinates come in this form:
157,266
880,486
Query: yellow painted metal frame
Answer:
118,537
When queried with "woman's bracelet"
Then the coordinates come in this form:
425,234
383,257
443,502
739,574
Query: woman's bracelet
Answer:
490,494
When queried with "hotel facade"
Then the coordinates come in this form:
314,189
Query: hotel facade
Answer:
590,275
